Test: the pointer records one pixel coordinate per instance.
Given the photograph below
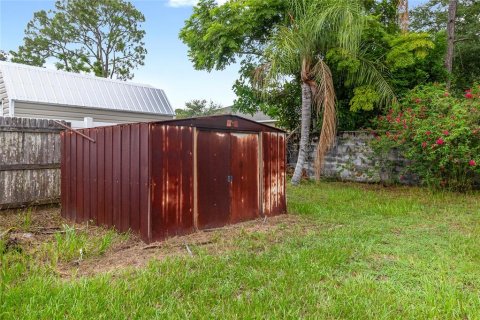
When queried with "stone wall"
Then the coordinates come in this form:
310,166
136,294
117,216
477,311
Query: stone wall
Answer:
352,159
29,162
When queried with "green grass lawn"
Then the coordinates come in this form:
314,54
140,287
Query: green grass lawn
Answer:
359,252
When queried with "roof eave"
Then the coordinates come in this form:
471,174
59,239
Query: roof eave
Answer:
88,107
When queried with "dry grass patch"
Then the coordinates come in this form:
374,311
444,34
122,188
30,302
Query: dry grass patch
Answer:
77,250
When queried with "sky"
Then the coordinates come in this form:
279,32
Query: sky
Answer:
167,65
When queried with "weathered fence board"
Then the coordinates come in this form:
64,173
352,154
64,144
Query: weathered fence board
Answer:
29,162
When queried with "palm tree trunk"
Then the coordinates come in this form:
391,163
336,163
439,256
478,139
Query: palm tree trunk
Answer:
304,132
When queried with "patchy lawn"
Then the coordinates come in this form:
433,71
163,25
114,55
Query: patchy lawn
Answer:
345,251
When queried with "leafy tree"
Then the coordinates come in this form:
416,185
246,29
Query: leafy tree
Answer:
281,103
317,30
197,108
103,37
239,31
421,61
414,59
244,30
218,36
3,56
432,17
385,12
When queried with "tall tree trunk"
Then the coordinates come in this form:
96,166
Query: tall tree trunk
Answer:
452,13
403,18
304,133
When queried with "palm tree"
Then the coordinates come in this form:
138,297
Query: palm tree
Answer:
299,49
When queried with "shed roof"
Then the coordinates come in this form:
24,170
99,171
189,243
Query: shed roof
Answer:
222,122
46,86
258,116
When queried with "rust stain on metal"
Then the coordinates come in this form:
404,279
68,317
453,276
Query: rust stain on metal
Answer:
273,173
245,177
172,181
169,178
105,181
213,163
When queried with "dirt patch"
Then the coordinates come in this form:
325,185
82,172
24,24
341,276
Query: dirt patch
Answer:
130,252
137,254
29,227
36,217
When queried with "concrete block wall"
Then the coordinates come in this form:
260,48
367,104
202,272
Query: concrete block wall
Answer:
353,159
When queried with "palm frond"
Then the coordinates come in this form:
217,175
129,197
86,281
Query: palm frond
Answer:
315,28
324,98
373,74
337,23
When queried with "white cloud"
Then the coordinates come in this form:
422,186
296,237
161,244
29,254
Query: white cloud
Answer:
185,3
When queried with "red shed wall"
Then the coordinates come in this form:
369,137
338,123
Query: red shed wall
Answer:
107,181
246,177
141,177
213,199
172,181
273,172
227,177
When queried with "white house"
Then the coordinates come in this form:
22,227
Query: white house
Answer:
82,100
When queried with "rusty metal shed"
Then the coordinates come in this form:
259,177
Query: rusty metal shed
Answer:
168,178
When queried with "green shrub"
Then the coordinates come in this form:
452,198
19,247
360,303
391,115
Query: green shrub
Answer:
439,135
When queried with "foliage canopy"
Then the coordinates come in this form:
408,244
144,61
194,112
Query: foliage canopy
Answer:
243,32
103,37
432,17
197,108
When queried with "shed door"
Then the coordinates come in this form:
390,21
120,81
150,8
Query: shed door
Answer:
227,178
245,176
213,179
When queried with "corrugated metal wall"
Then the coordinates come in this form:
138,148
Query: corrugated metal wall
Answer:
213,185
274,166
172,180
228,177
108,181
162,179
245,171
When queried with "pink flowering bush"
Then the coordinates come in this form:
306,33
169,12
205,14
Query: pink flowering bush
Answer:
438,133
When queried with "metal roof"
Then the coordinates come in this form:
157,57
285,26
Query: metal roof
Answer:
258,116
228,122
46,86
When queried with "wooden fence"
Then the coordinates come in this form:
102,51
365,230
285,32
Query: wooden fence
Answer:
29,162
